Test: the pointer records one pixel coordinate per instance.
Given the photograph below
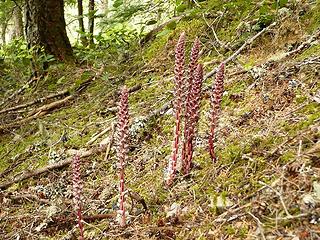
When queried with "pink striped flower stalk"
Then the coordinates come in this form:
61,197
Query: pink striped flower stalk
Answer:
179,87
216,98
77,191
193,106
122,149
194,56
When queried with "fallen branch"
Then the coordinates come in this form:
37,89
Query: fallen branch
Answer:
82,153
43,110
29,174
236,53
54,95
95,137
24,87
303,45
39,112
28,197
153,32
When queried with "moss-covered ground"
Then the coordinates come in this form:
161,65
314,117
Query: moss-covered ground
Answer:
267,144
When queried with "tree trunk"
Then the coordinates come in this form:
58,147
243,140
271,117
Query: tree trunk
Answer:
46,27
4,26
91,20
18,23
106,7
83,38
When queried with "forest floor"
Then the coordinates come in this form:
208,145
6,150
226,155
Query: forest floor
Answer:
265,183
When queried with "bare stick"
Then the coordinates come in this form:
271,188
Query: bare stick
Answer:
28,197
279,195
28,174
19,90
94,138
58,94
236,53
37,113
260,225
113,129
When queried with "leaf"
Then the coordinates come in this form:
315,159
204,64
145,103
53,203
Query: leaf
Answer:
117,3
151,22
172,25
164,32
181,8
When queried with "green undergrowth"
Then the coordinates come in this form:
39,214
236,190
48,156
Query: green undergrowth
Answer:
249,130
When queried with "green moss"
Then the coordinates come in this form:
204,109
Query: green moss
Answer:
312,17
288,157
312,51
156,46
229,229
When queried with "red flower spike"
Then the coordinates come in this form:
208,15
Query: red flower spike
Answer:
122,148
77,191
194,56
216,98
193,105
179,87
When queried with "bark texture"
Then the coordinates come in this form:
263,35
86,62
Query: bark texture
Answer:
46,27
81,24
18,23
91,20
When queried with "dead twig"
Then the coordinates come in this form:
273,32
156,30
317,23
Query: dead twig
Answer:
279,195
24,87
236,53
95,137
110,142
29,174
260,225
28,197
39,100
43,110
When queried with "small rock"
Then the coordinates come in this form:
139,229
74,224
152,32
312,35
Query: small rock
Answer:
316,189
309,200
174,210
223,203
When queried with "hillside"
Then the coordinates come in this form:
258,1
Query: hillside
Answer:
265,183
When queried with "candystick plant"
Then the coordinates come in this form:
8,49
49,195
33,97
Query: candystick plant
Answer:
77,191
216,98
191,123
122,149
178,94
187,99
188,106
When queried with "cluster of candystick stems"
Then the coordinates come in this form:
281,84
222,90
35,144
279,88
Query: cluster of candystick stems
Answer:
187,95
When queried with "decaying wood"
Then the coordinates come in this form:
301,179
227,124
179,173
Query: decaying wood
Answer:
95,137
24,87
236,53
43,110
29,174
154,32
95,217
39,112
39,100
303,45
51,106
83,154
27,196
